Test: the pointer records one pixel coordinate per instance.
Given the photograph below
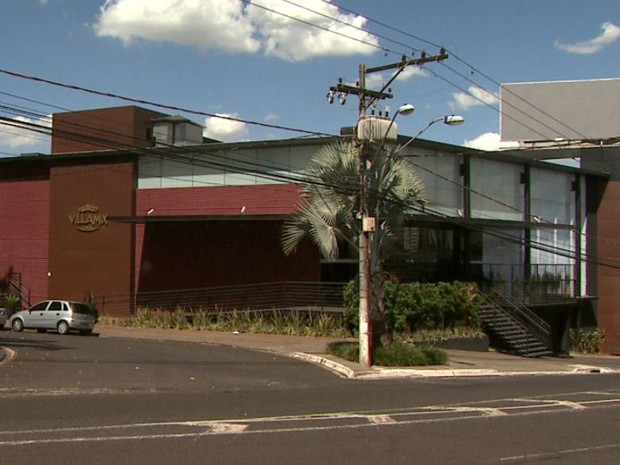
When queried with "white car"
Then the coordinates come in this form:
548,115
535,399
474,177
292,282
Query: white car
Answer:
60,315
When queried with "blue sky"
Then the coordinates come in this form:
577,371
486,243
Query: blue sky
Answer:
270,63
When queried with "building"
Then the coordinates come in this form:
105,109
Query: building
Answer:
133,202
576,122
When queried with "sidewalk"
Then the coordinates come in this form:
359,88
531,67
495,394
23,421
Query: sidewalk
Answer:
313,350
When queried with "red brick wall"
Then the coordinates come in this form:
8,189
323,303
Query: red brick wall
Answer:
261,199
195,254
23,234
209,252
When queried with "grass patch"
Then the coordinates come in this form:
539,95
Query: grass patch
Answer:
399,354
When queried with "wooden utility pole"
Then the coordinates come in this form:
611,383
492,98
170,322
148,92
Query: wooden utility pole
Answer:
367,221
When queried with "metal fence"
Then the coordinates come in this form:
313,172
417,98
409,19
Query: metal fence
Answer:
534,283
265,296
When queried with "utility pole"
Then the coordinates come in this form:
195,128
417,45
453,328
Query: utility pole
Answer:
368,222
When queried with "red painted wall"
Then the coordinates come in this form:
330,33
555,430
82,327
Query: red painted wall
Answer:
99,260
23,234
102,129
608,277
260,199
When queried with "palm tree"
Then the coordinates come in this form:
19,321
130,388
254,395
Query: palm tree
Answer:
330,203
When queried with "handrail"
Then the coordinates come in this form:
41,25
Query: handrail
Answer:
288,294
15,286
533,322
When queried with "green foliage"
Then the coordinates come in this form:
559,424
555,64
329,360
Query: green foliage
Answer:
277,321
411,307
586,341
330,198
345,350
11,302
398,354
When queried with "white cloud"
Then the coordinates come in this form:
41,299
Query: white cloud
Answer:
272,117
43,2
203,23
610,34
475,96
490,141
295,34
234,26
221,127
16,136
487,141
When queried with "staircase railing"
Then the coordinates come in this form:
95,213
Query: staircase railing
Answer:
532,322
16,287
262,296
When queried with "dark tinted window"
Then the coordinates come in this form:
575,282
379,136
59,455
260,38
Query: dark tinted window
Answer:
81,308
55,306
40,306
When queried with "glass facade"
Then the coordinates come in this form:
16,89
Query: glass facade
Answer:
496,190
485,219
442,183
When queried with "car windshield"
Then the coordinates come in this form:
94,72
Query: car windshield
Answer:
81,308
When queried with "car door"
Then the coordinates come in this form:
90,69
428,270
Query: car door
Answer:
53,314
36,315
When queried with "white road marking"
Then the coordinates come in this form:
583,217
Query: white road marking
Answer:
315,422
558,453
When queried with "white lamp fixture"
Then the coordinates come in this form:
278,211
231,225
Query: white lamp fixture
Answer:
405,109
453,120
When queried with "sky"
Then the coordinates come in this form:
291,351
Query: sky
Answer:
261,69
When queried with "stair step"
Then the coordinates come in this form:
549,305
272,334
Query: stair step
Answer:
510,333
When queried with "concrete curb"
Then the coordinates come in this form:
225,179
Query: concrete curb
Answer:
408,373
387,373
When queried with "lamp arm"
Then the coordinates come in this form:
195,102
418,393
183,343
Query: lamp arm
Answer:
399,149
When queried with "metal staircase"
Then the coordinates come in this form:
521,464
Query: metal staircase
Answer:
514,328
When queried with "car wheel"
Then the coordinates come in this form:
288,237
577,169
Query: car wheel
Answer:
63,327
18,325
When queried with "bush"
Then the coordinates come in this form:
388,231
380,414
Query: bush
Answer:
11,302
398,354
414,306
586,341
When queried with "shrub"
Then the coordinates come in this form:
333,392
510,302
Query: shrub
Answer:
402,355
586,341
414,306
398,354
11,302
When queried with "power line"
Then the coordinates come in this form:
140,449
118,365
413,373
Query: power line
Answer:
471,67
156,104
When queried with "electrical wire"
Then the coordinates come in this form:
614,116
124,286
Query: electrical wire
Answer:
279,127
155,104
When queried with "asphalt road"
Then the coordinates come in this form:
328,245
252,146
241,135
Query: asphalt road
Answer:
73,399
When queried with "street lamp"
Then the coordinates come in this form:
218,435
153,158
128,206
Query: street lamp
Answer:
449,120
